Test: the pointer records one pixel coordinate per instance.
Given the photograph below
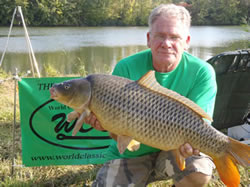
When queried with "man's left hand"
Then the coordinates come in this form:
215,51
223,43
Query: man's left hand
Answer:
187,150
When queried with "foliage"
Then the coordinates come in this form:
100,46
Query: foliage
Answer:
220,12
6,11
120,12
80,68
50,71
3,74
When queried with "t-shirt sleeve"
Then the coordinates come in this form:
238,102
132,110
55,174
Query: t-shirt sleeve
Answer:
204,90
121,70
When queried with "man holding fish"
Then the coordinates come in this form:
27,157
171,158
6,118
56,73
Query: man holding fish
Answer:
168,39
155,106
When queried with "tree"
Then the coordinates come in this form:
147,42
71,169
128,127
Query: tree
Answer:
6,11
120,12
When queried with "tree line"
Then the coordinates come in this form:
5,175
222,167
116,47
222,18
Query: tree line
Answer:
120,12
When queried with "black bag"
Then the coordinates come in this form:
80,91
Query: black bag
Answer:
232,106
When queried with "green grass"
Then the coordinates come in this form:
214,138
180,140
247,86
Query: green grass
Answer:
246,27
82,175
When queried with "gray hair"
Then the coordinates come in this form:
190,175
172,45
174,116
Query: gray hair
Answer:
170,10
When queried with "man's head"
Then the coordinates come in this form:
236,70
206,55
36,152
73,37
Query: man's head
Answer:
168,35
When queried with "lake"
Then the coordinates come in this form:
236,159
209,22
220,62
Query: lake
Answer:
98,49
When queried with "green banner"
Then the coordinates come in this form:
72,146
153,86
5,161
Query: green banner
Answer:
46,134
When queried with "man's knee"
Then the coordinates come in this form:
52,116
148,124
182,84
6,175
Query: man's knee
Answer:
194,180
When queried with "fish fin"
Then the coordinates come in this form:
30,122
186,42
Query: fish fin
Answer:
227,169
149,81
80,121
72,115
122,143
240,151
237,153
180,160
133,145
126,142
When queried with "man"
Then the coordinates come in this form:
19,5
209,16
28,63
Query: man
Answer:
168,39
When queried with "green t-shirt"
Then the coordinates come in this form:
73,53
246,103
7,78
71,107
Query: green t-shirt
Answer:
192,78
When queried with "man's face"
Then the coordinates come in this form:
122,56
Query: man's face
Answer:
167,39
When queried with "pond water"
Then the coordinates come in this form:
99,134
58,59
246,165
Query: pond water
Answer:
99,48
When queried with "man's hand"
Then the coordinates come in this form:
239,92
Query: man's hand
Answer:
93,121
187,150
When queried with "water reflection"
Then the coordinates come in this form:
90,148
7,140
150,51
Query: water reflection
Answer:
94,59
216,36
99,48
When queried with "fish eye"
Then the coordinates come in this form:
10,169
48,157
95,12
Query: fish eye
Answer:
67,86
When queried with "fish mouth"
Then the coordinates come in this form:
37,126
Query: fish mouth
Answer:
53,94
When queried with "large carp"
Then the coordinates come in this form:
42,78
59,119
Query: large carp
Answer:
143,111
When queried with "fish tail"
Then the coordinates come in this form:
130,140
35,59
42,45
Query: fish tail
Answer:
237,153
240,151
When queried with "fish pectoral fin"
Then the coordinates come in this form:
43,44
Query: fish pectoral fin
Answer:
126,142
80,121
180,160
133,145
122,143
72,115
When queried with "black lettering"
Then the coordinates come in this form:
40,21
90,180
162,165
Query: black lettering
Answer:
51,107
69,127
44,86
64,124
59,126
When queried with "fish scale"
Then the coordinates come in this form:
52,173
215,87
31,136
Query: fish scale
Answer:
138,106
144,112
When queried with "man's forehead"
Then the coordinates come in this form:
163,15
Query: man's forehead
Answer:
167,29
166,23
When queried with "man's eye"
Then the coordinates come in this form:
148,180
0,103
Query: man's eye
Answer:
175,38
160,36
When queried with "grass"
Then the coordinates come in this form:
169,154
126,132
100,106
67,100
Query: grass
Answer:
246,27
82,175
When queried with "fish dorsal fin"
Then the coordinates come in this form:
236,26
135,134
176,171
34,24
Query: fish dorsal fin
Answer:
149,81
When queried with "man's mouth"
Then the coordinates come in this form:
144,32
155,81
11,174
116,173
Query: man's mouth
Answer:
167,52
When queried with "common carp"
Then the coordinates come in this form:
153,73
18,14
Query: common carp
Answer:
144,112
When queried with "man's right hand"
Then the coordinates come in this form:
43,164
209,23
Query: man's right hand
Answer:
93,121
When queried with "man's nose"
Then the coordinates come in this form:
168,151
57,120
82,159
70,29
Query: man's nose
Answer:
166,42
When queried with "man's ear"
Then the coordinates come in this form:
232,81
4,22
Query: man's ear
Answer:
148,40
187,42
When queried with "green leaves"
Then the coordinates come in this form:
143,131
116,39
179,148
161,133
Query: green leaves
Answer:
219,12
120,12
